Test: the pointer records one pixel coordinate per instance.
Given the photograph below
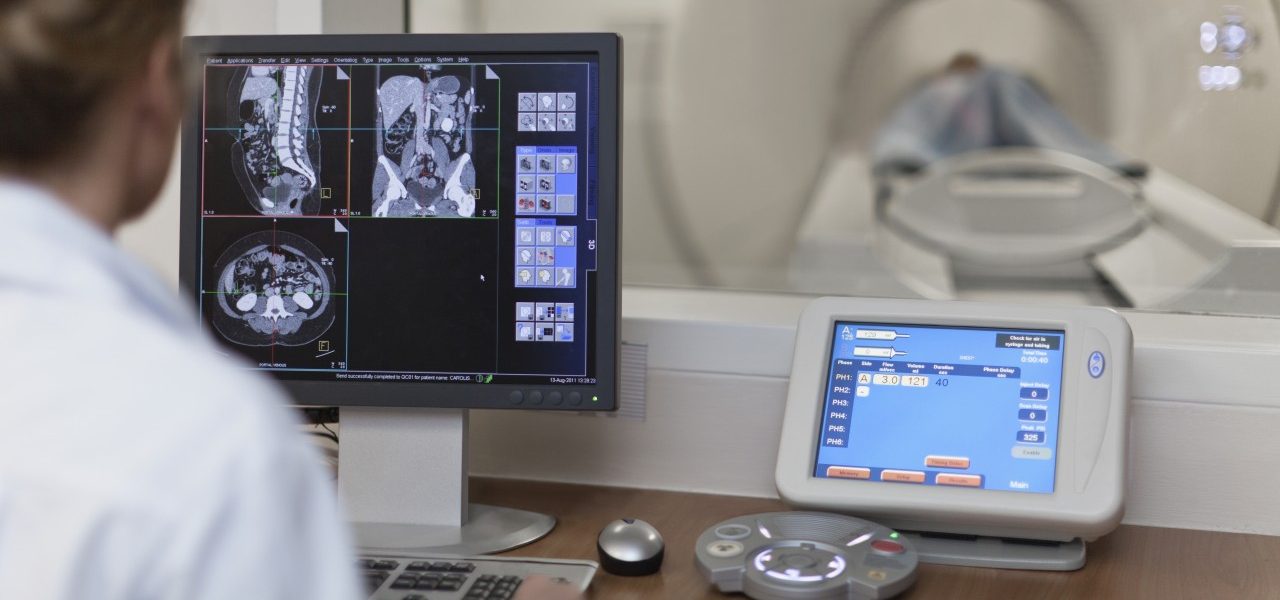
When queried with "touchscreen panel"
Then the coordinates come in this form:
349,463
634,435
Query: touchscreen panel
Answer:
950,406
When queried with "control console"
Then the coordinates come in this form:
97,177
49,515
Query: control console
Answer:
993,422
811,555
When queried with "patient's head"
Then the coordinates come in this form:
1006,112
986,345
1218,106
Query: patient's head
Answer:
964,62
89,92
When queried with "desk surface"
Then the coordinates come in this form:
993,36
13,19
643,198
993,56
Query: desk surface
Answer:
1132,562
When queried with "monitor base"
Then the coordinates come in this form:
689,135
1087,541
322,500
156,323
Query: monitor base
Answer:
402,474
996,553
488,529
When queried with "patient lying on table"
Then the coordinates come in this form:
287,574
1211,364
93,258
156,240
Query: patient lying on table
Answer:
972,106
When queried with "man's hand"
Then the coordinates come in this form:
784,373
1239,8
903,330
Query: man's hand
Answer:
539,587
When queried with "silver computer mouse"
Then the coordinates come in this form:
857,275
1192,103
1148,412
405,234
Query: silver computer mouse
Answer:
630,547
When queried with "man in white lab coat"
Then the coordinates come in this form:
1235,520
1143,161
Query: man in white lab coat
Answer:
135,462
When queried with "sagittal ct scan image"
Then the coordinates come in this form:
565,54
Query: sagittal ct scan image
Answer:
424,148
277,149
273,288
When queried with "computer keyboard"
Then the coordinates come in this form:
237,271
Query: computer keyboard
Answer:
429,577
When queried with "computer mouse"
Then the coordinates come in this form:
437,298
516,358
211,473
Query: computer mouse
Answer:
630,547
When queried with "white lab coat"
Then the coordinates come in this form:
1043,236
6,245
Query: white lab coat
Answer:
135,461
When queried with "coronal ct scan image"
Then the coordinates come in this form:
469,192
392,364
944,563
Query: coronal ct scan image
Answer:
423,165
273,288
277,150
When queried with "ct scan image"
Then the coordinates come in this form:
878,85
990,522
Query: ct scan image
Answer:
276,142
276,292
273,289
425,146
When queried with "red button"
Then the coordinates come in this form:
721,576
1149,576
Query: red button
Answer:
887,547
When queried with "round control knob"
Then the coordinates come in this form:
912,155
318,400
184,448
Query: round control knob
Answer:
535,397
803,564
812,555
517,397
733,532
555,398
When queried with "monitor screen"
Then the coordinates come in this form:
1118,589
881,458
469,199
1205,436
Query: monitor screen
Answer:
397,213
948,406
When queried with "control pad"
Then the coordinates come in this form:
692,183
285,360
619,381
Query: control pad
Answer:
812,555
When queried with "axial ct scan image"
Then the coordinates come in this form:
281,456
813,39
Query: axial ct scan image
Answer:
424,149
273,289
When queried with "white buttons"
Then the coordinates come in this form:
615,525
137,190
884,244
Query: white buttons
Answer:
725,548
1208,37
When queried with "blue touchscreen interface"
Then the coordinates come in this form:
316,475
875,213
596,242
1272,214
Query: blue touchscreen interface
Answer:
951,406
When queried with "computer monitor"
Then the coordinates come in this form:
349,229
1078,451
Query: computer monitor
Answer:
393,223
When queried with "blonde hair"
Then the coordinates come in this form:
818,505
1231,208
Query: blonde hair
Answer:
60,58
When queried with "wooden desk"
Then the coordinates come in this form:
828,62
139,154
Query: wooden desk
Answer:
1132,562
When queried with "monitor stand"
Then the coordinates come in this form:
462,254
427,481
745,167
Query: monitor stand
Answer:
402,476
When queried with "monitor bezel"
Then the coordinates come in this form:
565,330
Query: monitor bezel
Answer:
601,396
